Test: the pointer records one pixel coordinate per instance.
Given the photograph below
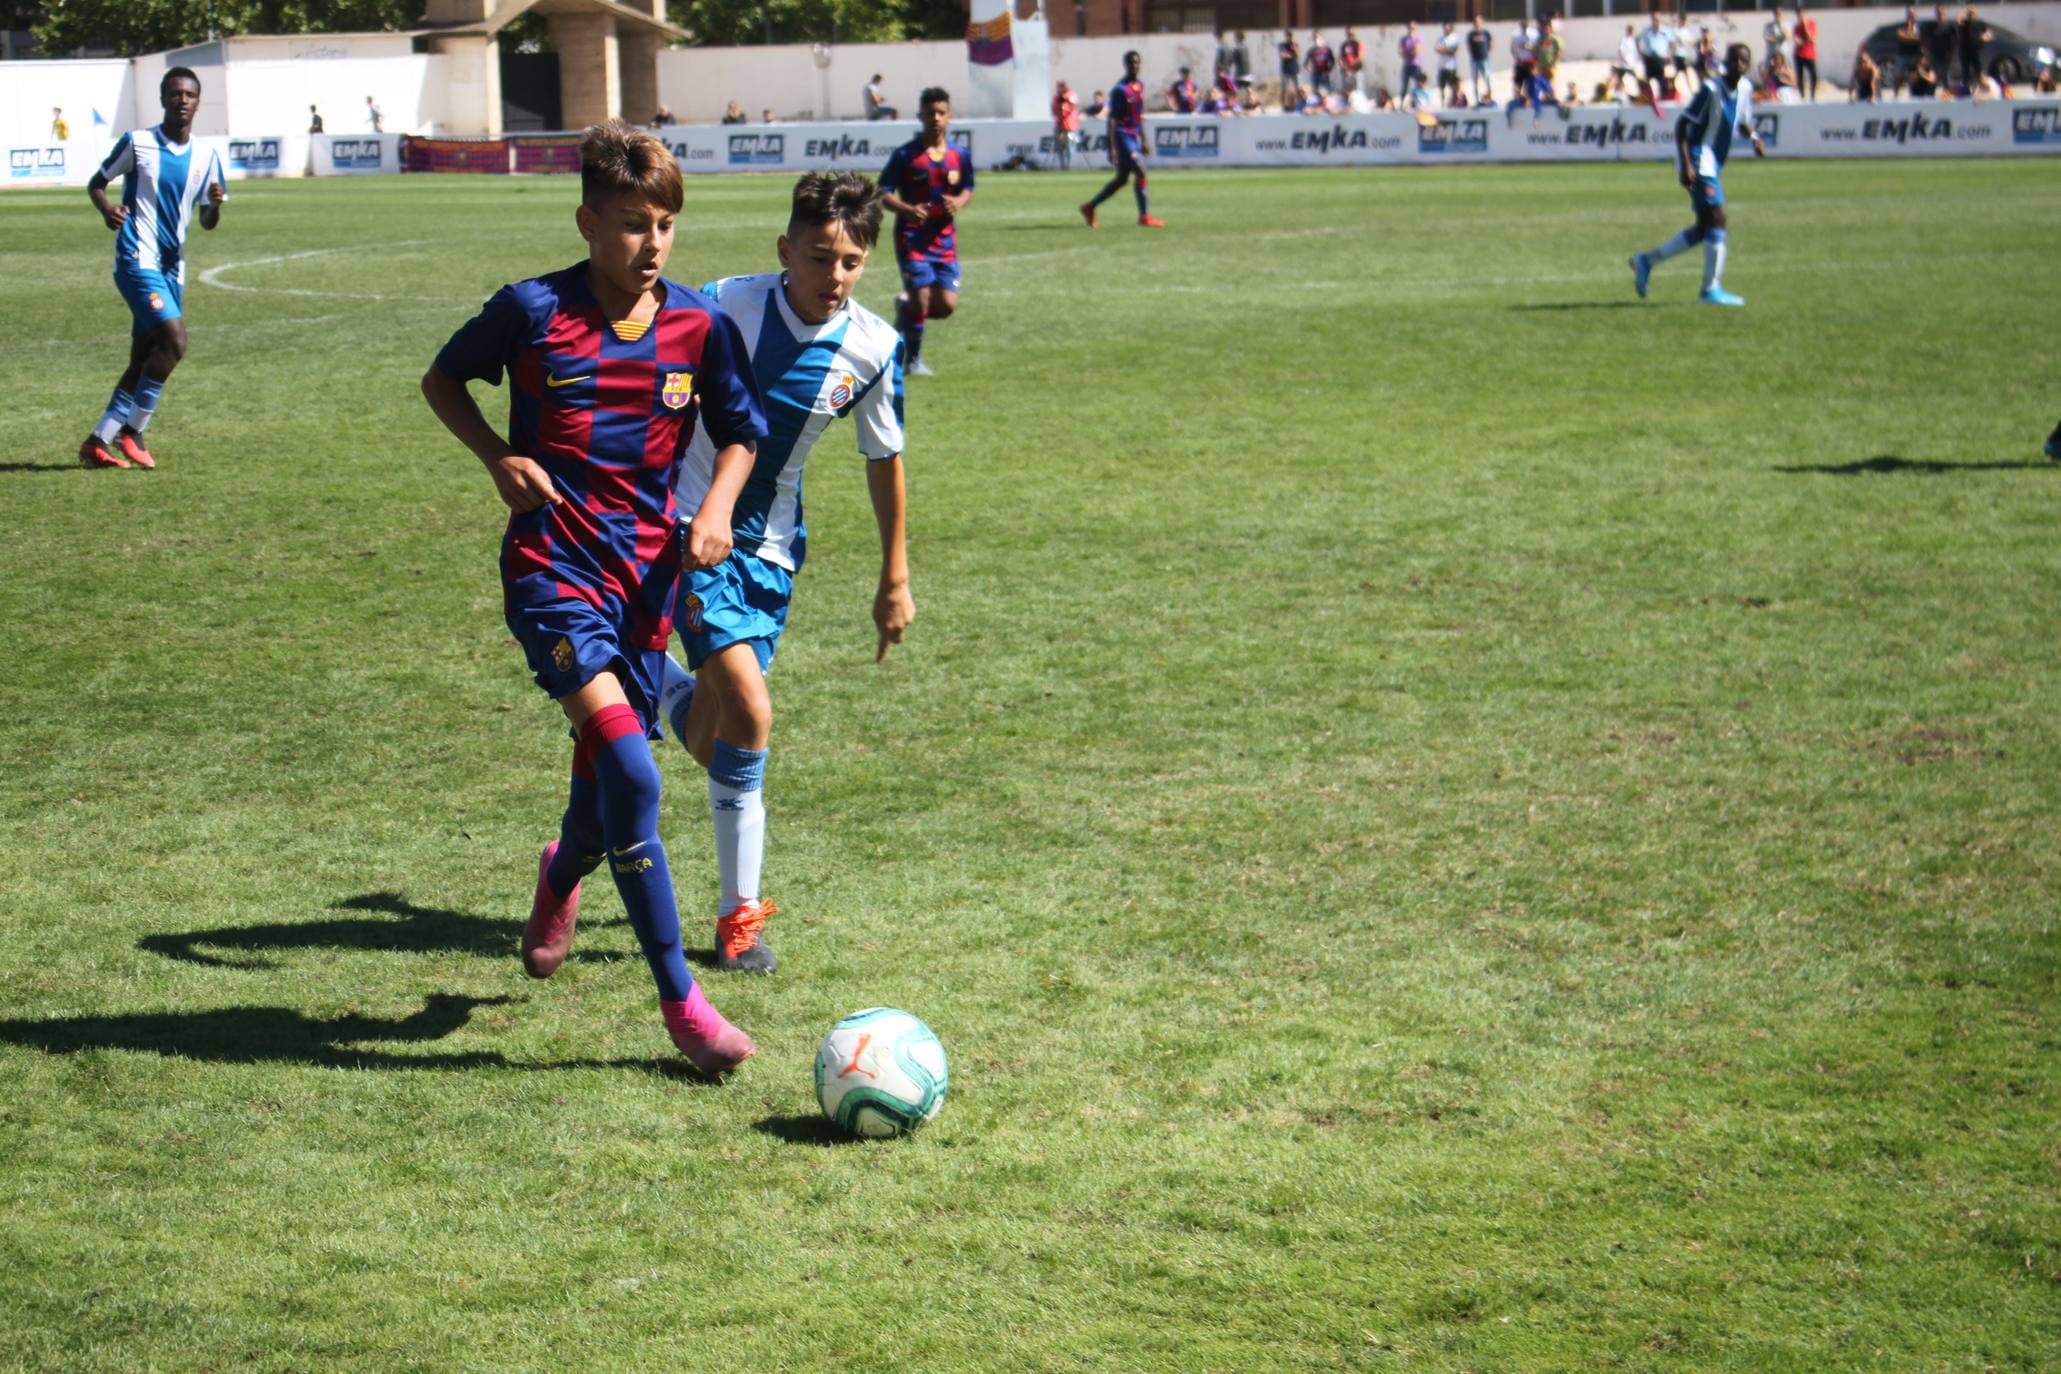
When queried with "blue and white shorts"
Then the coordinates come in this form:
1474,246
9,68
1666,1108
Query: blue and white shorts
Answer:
742,600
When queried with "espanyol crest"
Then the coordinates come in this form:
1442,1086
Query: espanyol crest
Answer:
841,394
678,390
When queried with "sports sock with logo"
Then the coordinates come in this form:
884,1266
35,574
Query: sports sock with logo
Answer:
736,799
628,781
581,845
148,389
115,416
1680,243
1713,258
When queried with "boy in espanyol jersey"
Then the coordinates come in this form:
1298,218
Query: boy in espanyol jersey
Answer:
926,182
817,355
166,183
611,368
1127,144
1703,140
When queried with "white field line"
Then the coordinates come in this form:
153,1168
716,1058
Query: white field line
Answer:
214,275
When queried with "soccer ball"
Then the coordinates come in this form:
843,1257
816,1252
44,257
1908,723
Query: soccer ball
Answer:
880,1072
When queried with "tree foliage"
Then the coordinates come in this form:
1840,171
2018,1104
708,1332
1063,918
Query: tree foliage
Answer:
718,23
130,27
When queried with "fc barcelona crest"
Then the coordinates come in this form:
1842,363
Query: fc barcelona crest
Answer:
678,390
562,655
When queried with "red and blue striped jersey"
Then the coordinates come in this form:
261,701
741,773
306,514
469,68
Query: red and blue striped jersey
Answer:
921,175
609,418
1127,108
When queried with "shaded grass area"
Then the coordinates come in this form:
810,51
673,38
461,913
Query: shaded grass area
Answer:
1445,821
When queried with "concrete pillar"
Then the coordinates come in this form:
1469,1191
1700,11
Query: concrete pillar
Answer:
589,68
472,76
456,11
639,53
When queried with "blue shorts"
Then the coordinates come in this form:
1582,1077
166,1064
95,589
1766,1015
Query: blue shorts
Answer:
152,297
1707,194
921,272
1128,154
742,600
569,643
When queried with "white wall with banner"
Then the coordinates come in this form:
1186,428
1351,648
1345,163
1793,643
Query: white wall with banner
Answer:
1587,134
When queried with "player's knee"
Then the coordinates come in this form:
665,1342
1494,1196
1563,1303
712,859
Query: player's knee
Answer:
638,779
941,306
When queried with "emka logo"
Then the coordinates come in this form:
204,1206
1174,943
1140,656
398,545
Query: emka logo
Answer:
354,152
2040,124
1185,141
29,162
757,149
1613,133
683,152
254,154
1453,136
839,148
1337,138
1916,129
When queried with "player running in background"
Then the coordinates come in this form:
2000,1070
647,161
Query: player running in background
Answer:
1703,140
1127,145
817,355
927,182
611,368
2054,444
164,178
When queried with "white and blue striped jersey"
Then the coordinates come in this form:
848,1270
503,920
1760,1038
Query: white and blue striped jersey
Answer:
810,374
1711,119
162,182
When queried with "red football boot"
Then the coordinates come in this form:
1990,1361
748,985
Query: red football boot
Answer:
700,1032
548,937
1088,214
94,454
133,450
1151,222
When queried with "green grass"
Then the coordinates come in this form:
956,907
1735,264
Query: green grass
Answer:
1448,819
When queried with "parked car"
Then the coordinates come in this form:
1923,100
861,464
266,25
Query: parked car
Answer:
2009,57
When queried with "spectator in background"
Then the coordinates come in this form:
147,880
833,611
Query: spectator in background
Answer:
1352,60
314,120
1448,49
734,114
662,118
1416,95
1320,62
1781,86
1939,41
1097,106
1866,86
1241,60
1410,49
1910,46
1706,56
876,100
1924,82
1972,33
1775,36
1524,61
1480,47
1183,96
1223,55
1545,63
1628,59
1806,35
60,131
766,115
1066,124
374,115
1684,53
1654,46
1290,59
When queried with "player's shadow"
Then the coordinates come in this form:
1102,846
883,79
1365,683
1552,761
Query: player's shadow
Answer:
253,1035
391,923
1579,305
281,1035
1891,463
806,1130
41,467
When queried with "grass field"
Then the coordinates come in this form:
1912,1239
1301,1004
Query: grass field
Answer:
1449,819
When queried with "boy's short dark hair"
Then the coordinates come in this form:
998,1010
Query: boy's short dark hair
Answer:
617,159
173,72
846,199
934,95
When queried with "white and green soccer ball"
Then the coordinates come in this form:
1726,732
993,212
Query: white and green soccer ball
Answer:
880,1072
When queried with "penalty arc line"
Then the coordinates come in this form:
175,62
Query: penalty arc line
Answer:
213,276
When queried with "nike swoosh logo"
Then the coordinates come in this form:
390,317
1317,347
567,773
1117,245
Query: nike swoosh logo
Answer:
566,381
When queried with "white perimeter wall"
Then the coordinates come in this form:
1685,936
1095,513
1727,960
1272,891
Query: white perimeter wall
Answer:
696,83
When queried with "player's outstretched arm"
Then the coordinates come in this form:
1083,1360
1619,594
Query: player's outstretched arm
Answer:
211,208
521,481
893,606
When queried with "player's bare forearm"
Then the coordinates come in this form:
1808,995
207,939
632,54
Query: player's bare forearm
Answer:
708,533
894,608
521,481
110,215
